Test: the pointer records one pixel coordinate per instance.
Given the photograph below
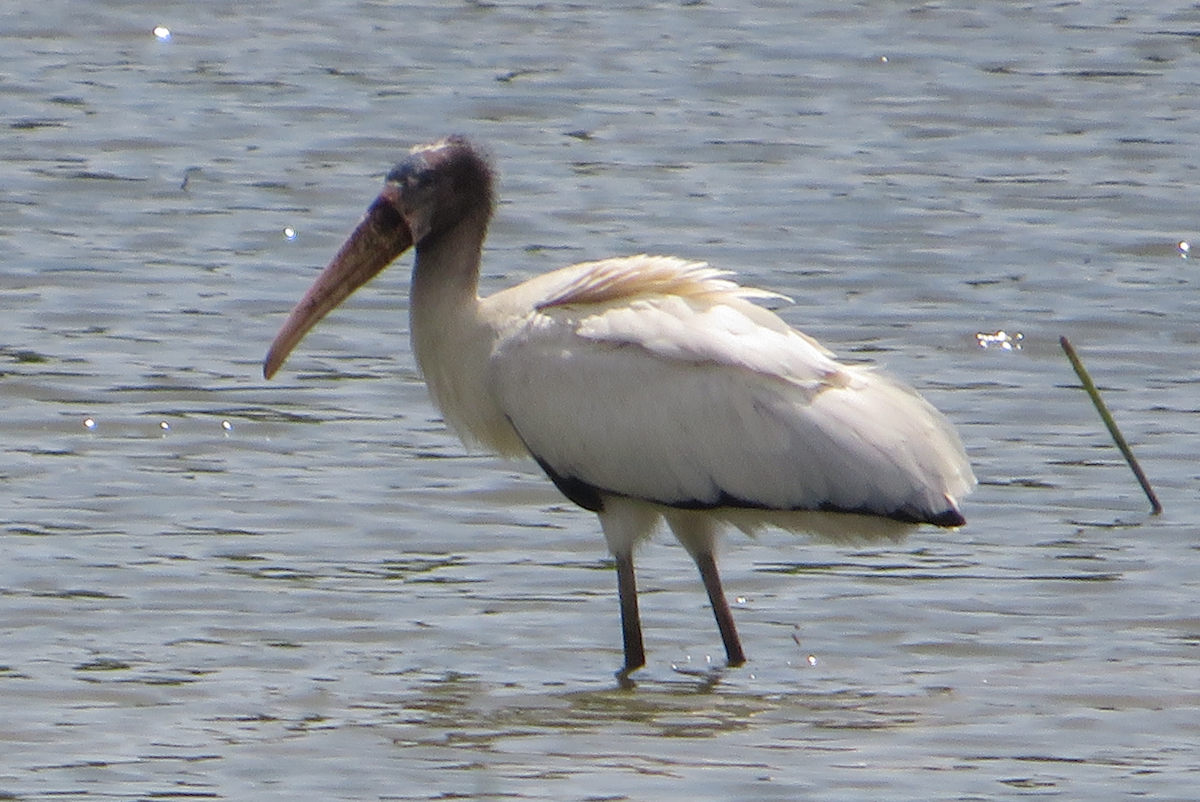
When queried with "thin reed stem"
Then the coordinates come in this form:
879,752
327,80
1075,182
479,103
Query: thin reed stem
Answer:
1106,416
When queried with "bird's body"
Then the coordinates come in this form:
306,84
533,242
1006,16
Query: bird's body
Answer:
647,388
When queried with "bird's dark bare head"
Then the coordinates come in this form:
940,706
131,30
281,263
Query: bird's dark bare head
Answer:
439,185
440,188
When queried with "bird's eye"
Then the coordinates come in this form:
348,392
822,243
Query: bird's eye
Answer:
420,179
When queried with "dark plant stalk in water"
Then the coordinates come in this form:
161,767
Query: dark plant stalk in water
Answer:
1106,416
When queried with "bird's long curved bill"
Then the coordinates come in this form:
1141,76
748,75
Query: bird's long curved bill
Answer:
379,239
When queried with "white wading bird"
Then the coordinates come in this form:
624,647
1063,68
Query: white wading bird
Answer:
646,387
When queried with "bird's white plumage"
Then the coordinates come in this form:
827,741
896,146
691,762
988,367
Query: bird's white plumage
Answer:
676,389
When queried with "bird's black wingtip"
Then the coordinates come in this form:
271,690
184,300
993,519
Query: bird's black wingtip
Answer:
950,518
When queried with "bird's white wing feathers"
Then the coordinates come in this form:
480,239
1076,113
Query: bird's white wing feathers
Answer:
705,399
729,333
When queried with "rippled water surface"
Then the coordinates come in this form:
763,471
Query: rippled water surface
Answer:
215,587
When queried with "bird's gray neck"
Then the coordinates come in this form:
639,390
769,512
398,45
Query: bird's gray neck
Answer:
446,270
444,300
452,339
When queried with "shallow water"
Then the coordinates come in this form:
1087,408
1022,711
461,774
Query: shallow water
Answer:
224,588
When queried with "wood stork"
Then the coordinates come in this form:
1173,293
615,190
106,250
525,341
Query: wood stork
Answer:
646,387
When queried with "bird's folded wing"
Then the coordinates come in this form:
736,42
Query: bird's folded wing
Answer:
712,401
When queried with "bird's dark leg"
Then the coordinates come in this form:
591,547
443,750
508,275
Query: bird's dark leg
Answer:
626,522
631,621
720,607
